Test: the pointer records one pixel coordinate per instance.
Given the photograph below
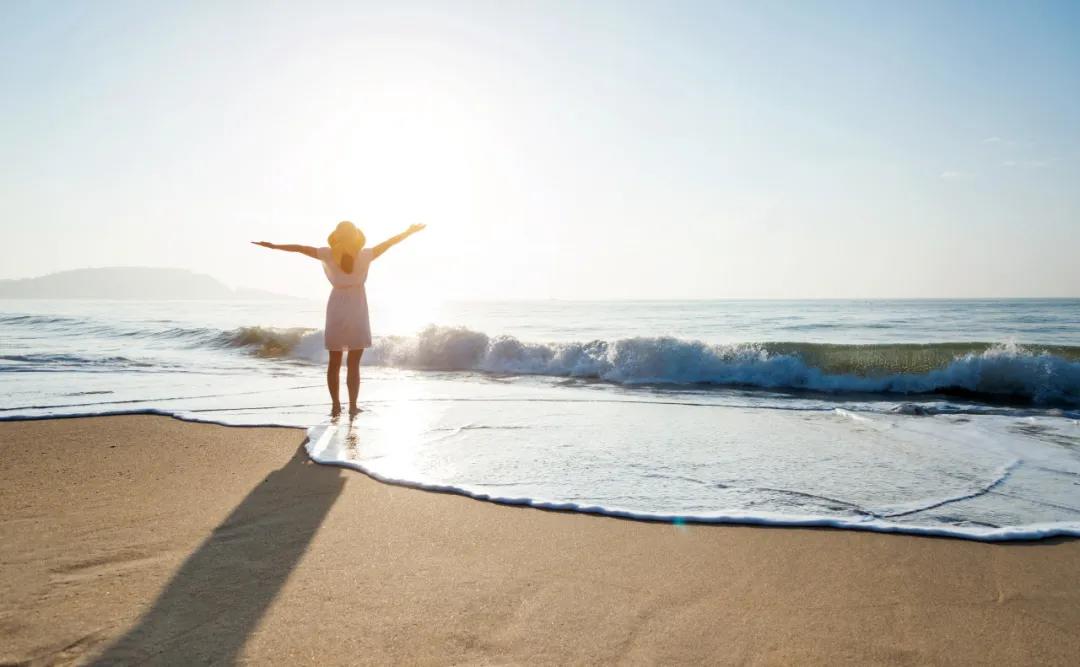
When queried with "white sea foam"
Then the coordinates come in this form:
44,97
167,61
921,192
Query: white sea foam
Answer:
333,444
1006,370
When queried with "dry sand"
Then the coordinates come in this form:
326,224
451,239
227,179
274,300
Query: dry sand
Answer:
145,539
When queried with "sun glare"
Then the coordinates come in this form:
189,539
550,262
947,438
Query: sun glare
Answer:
417,151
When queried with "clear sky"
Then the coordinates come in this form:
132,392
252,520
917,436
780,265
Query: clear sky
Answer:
557,150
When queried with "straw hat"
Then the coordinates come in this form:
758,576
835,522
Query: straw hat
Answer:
346,239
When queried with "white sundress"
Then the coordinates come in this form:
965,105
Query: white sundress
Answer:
347,324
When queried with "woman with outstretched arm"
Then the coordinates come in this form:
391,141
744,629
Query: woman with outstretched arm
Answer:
345,261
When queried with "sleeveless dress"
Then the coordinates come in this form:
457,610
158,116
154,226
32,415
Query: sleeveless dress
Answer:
347,325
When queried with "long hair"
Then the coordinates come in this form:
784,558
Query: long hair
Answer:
345,241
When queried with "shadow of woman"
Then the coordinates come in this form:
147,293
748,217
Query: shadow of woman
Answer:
215,600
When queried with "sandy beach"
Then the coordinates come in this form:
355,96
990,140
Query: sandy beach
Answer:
146,539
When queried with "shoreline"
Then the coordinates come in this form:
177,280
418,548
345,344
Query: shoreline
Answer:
1027,533
123,535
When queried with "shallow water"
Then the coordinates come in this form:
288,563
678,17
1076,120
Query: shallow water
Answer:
940,417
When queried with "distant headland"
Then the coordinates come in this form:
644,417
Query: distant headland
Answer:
127,282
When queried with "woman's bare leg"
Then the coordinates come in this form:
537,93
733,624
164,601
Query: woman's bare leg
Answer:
333,380
352,378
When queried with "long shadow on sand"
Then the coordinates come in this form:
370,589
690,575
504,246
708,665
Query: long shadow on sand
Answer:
215,601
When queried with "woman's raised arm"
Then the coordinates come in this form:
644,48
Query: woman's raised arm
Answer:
290,247
394,240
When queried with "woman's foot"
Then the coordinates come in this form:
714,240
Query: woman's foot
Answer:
353,411
335,409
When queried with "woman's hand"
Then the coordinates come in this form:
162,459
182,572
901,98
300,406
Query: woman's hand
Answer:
290,247
390,242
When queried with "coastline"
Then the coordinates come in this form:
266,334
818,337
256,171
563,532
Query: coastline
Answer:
147,538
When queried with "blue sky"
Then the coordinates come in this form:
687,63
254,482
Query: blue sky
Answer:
567,150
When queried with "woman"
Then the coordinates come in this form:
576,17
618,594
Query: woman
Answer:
346,263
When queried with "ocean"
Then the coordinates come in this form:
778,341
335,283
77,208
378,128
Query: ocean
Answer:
939,417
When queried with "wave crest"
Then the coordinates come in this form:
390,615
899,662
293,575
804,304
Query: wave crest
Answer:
266,341
1036,374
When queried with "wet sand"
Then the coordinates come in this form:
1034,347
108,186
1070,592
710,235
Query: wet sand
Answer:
146,539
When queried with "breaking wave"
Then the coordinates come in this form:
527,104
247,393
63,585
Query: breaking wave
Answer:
1027,373
268,342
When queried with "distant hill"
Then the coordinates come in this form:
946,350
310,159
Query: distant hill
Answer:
123,282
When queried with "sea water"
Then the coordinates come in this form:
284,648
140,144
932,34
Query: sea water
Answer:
938,417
